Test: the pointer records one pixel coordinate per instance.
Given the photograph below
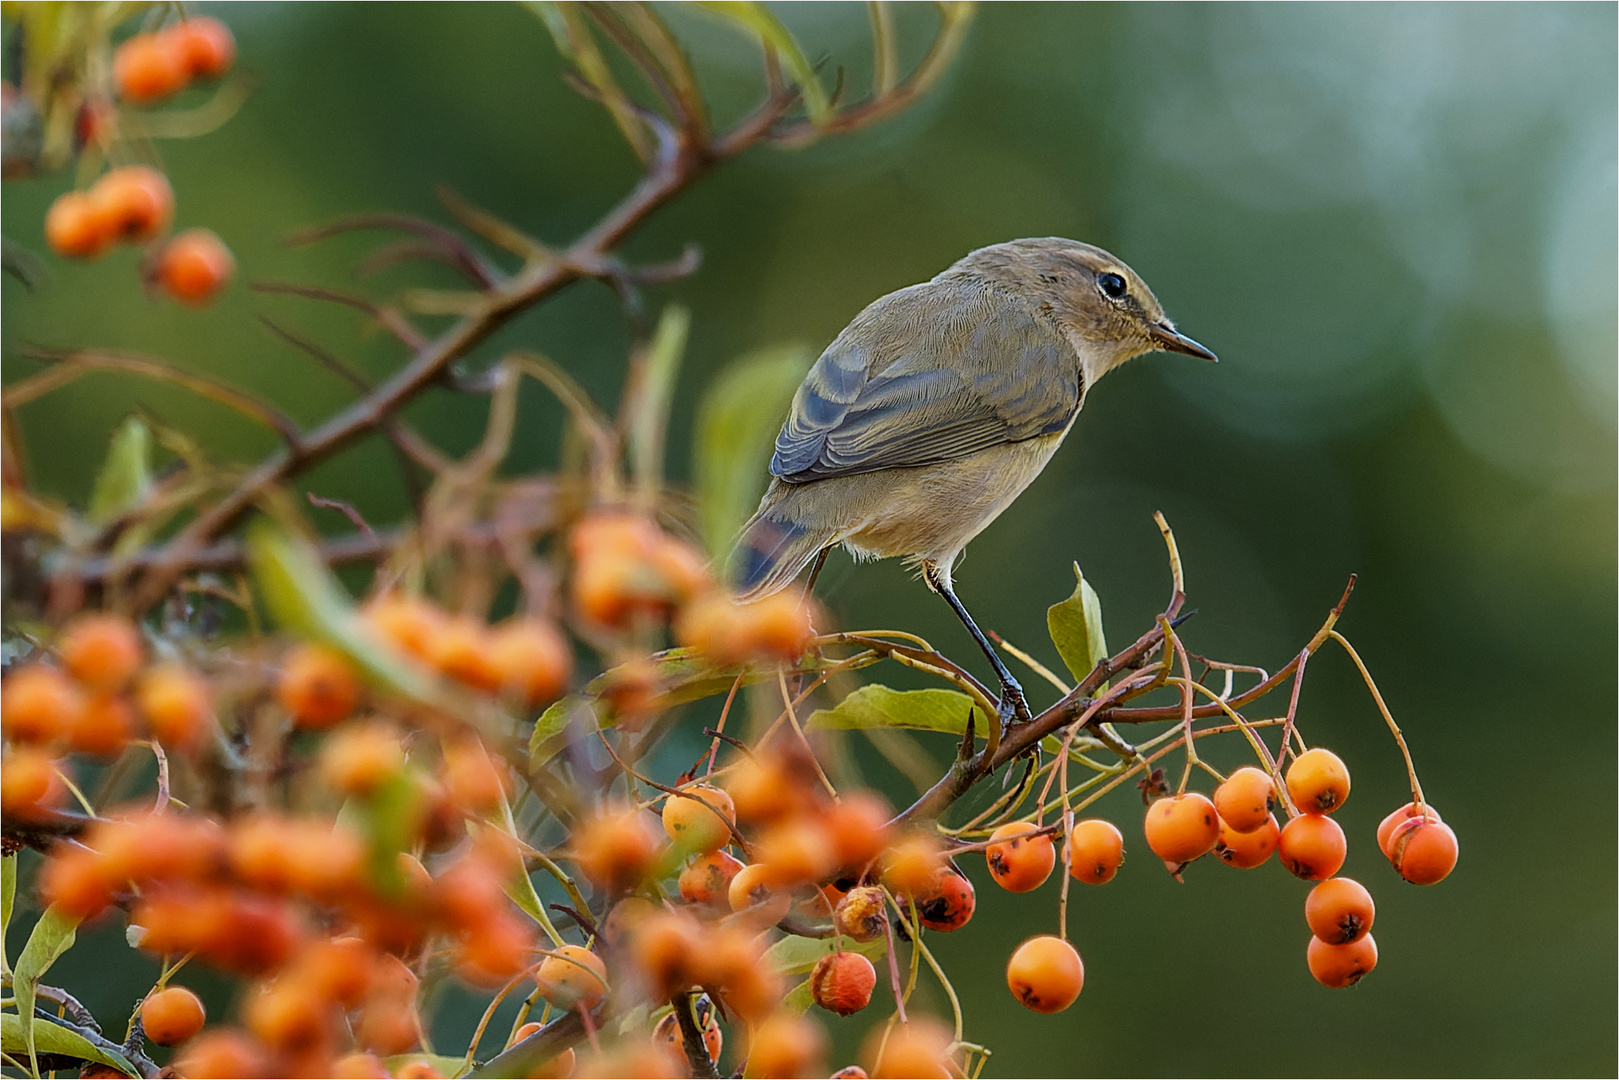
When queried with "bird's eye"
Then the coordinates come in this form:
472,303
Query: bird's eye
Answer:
1112,286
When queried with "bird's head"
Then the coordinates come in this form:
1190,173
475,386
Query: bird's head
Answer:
1101,305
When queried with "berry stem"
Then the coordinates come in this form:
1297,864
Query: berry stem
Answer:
1410,769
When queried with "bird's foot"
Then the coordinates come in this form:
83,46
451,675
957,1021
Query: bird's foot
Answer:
1013,707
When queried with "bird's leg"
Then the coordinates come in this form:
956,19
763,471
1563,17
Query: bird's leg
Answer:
1013,706
796,683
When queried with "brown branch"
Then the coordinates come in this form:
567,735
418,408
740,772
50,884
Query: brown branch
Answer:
390,320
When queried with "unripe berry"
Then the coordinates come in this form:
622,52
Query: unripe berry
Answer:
206,45
1181,828
1395,819
1020,862
1318,781
149,67
572,977
842,982
786,1046
700,819
176,704
101,651
318,686
172,1016
39,705
1338,966
75,227
194,266
707,878
1245,799
1312,847
135,203
1339,910
1250,849
1045,974
1424,852
862,914
1095,851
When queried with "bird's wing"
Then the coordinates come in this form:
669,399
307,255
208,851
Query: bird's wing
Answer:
930,373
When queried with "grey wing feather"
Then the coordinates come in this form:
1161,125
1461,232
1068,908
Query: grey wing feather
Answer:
930,373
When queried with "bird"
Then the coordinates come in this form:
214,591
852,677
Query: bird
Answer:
937,406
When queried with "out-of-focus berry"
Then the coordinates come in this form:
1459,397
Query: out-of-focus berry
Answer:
195,266
149,68
40,705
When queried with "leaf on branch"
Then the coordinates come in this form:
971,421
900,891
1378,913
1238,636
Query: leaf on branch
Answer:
776,37
650,397
8,901
878,706
794,955
53,1038
52,936
575,42
737,423
125,479
1076,628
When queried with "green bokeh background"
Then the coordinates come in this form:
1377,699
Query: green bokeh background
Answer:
1396,225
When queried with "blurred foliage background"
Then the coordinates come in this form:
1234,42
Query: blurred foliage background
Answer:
1396,225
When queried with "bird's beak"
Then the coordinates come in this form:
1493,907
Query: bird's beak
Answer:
1165,337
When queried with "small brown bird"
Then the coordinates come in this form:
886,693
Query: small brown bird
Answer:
938,405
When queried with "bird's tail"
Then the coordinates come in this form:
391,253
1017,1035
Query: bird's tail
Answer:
771,552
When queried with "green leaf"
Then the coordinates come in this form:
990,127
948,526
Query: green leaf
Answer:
52,936
757,17
125,479
794,955
877,706
51,1038
8,900
798,999
653,391
737,422
305,598
1076,628
552,723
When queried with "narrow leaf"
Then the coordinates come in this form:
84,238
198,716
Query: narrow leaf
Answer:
794,955
52,936
1076,628
736,432
877,706
8,900
52,1038
757,17
653,393
125,479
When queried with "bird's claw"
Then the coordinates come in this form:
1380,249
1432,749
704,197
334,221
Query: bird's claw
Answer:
1013,708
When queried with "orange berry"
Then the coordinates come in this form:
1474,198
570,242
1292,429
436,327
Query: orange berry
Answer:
408,623
74,881
135,203
101,651
752,885
624,918
1017,861
106,726
762,790
1046,974
1339,910
707,878
40,704
911,867
150,67
700,819
358,760
1245,800
862,914
1390,823
1318,781
1250,849
857,826
572,977
359,1066
176,704
222,1054
75,227
1181,828
615,849
337,969
1424,852
461,650
172,1016
920,1048
795,852
777,627
951,905
496,948
666,948
29,786
475,780
318,686
786,1046
194,266
1312,847
556,1068
1095,851
531,659
1338,966
206,44
842,982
